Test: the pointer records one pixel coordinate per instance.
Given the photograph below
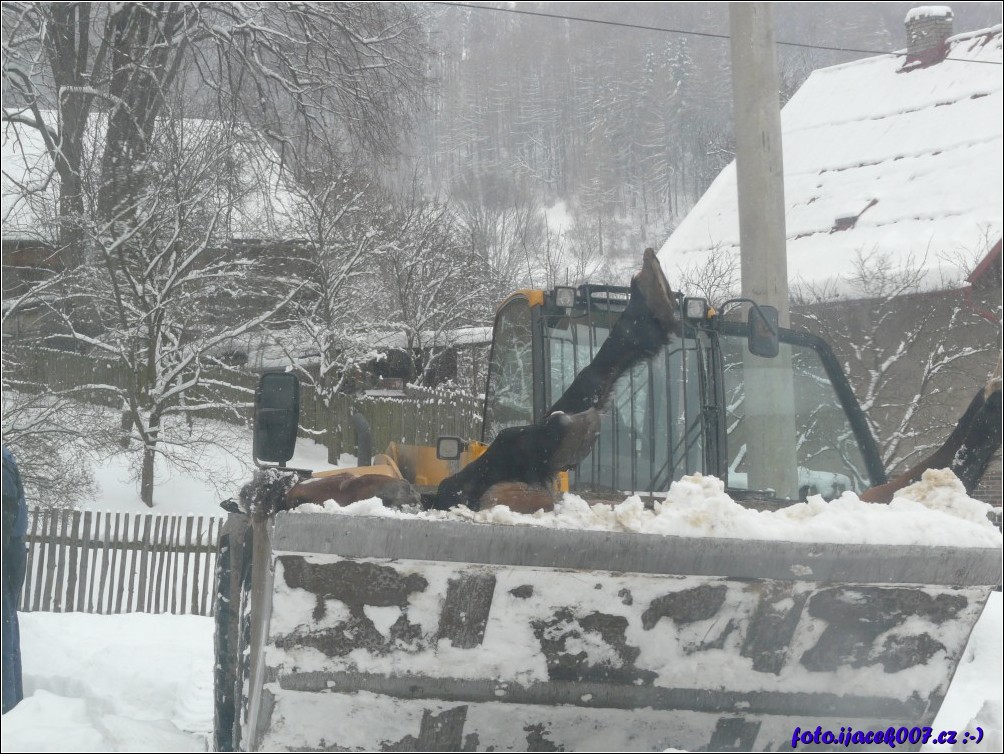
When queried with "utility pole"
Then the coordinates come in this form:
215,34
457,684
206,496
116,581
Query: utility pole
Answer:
769,399
759,166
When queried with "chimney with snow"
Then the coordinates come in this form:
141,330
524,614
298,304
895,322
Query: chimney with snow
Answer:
927,28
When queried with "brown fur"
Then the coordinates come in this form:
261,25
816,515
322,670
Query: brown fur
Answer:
518,497
346,488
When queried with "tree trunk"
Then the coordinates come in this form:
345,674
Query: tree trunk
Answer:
125,426
146,476
149,454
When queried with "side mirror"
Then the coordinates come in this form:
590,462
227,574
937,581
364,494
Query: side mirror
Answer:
449,448
762,339
276,416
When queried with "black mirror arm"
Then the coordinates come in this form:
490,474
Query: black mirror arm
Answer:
774,330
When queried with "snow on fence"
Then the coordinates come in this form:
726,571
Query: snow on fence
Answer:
101,562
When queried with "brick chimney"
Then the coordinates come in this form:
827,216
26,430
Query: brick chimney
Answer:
927,28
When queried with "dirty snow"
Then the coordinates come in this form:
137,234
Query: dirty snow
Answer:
699,654
142,682
935,511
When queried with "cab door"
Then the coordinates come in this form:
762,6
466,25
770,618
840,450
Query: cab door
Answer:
514,395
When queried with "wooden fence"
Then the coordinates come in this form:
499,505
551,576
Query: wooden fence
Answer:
101,562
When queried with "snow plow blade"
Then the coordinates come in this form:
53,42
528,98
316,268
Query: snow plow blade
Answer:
380,634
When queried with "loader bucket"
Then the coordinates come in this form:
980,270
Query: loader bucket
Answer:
385,634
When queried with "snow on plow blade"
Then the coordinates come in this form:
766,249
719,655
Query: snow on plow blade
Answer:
404,635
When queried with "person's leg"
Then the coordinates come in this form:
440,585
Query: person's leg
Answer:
12,685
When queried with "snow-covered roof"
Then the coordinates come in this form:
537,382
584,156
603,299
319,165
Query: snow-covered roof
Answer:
263,208
878,159
274,349
462,336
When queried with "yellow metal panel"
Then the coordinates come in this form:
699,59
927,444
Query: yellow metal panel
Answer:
474,451
562,482
533,296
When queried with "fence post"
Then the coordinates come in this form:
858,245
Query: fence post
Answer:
125,573
71,575
83,604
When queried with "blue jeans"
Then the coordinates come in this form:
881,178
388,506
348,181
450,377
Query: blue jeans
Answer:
13,692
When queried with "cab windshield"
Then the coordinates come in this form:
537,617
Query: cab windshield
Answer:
771,428
651,432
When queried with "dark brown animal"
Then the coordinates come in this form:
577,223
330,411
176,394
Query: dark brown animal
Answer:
533,455
519,497
345,488
967,451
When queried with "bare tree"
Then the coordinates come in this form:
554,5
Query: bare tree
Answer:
297,71
715,279
46,427
336,323
910,346
144,210
165,292
569,256
433,285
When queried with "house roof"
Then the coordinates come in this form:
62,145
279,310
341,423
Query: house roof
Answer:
261,207
878,159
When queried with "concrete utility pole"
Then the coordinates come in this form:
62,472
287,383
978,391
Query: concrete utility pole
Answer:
769,399
759,167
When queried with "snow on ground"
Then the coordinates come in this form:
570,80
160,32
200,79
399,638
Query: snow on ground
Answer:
144,683
134,682
974,698
177,491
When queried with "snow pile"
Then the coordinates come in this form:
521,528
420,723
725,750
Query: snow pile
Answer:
935,511
975,697
178,491
989,719
940,489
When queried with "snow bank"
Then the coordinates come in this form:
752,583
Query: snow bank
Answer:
935,511
134,682
975,697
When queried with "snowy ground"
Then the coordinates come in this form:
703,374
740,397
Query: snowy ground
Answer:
144,683
178,492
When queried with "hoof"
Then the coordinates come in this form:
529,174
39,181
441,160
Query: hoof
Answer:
573,437
656,295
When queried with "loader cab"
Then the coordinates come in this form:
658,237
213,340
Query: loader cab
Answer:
775,428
